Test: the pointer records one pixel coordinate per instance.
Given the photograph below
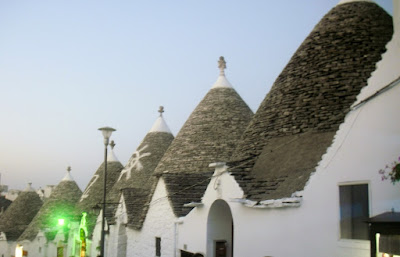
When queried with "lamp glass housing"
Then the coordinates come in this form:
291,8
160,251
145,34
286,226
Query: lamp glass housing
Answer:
107,131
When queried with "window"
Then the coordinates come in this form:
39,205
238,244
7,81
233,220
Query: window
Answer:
354,210
158,246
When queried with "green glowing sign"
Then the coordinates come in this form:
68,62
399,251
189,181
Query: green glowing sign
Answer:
83,227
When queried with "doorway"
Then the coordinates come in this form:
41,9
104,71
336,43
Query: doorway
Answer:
220,230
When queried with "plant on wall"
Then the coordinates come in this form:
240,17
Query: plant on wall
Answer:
391,172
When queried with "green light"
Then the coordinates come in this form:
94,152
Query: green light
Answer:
61,222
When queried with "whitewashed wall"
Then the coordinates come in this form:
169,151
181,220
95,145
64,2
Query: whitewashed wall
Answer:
7,248
192,233
36,247
367,141
96,238
120,220
160,221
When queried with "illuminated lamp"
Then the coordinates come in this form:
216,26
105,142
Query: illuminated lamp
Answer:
61,222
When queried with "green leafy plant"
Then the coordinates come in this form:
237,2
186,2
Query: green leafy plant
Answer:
391,172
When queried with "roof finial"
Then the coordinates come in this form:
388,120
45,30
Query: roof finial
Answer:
29,187
112,144
68,177
161,110
221,66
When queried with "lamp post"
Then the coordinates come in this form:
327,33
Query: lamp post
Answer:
107,131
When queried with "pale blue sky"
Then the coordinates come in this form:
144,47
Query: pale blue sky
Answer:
70,67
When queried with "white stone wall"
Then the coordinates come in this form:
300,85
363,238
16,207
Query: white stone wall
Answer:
192,232
367,141
96,238
120,220
112,242
36,247
159,222
39,247
7,248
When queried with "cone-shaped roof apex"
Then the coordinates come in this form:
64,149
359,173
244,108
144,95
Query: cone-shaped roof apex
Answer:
210,133
29,188
160,125
68,176
111,157
221,81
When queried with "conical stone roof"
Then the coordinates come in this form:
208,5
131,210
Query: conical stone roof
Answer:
17,217
4,203
137,176
139,170
93,194
60,204
211,132
298,118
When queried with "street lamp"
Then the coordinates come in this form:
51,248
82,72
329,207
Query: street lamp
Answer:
107,131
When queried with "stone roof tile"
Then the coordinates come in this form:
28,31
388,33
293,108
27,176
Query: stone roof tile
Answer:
60,204
210,133
297,120
184,188
138,173
17,217
93,194
136,202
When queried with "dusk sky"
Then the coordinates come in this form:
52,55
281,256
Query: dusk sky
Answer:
68,68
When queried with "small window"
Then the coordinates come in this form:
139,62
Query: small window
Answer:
158,246
354,211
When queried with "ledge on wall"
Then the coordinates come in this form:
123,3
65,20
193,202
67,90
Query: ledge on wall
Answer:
193,204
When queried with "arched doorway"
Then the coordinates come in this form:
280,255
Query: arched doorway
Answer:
220,230
122,241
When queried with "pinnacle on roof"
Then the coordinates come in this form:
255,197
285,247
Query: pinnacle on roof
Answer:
221,81
111,157
68,176
297,120
29,188
160,125
211,131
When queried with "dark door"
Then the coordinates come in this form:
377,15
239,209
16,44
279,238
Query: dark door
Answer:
220,249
